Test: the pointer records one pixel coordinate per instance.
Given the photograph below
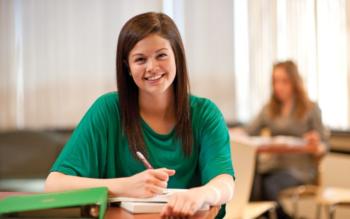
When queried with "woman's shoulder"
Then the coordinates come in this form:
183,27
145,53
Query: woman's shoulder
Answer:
314,105
203,109
109,97
201,103
264,111
314,109
106,104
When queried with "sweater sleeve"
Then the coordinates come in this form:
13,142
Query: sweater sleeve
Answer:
85,152
215,148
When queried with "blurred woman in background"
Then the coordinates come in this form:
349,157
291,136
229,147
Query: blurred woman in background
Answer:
289,112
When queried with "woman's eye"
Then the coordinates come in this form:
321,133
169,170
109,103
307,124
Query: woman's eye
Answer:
162,55
140,60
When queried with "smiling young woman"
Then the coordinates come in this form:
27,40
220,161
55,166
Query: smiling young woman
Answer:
135,56
184,137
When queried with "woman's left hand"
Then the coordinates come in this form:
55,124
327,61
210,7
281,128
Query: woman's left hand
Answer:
185,204
312,137
314,142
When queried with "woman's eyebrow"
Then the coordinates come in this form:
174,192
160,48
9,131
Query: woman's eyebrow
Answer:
141,54
161,49
137,54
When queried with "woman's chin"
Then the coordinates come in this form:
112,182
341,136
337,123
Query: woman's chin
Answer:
156,90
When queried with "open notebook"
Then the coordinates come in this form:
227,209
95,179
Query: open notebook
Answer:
153,204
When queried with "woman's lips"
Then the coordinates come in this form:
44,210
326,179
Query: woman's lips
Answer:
154,77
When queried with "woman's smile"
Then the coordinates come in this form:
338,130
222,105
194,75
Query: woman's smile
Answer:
154,78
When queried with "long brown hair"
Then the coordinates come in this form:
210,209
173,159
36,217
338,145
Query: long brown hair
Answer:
132,32
301,99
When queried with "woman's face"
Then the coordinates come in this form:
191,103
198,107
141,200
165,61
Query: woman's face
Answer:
282,85
152,64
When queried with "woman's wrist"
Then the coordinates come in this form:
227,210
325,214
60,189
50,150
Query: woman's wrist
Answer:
220,190
117,186
212,195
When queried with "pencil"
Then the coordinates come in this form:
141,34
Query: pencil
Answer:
143,160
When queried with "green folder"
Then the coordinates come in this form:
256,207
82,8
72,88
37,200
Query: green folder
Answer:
74,198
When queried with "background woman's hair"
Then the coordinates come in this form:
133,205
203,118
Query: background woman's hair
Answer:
132,32
301,99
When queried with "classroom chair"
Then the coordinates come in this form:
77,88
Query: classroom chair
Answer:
243,159
335,188
295,194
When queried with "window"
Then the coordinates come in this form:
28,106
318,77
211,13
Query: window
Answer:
312,33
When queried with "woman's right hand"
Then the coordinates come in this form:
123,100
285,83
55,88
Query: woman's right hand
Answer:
147,183
312,137
314,143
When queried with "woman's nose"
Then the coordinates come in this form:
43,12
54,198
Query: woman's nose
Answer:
151,65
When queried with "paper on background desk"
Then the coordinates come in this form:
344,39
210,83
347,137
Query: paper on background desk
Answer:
289,141
270,141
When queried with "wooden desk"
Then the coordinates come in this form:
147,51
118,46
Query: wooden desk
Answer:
283,149
116,212
121,213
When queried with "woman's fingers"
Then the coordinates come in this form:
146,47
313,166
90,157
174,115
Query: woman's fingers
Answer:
158,180
156,183
166,212
177,206
155,189
309,137
312,137
168,208
151,179
169,172
180,205
162,173
155,180
187,209
149,182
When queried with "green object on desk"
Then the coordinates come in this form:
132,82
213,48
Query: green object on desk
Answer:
74,198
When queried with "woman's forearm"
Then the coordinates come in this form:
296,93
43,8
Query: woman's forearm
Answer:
56,182
144,184
219,190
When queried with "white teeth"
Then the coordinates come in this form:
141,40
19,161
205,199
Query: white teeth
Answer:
153,78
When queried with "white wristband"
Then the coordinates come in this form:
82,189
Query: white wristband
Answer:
230,189
217,194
